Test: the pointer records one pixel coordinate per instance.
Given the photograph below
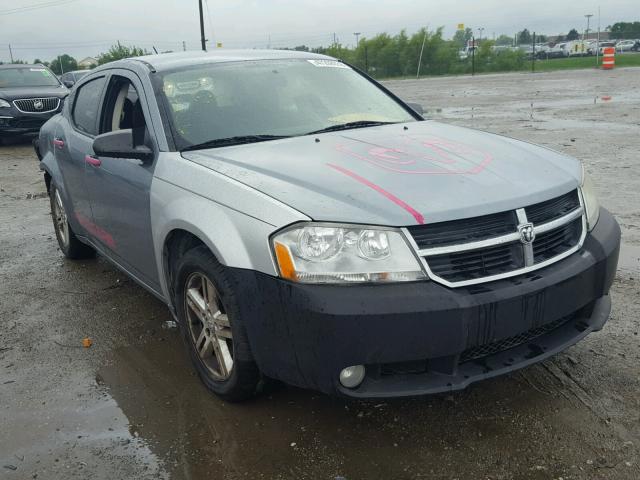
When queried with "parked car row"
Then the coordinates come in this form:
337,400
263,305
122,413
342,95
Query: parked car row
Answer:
574,48
583,48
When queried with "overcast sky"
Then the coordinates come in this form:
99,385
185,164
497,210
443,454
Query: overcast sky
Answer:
87,27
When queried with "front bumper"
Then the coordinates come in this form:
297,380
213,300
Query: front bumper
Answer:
422,338
15,123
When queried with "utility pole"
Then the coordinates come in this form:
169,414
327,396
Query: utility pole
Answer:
184,46
533,53
473,56
11,53
586,34
357,34
202,39
480,30
598,40
366,59
424,40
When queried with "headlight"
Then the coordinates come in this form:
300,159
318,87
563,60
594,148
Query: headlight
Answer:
4,104
590,200
325,253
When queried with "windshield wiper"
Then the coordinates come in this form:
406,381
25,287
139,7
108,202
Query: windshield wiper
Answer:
239,140
350,125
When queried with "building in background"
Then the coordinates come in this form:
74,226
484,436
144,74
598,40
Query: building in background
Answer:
87,63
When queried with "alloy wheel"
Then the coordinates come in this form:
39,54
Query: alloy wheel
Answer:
209,327
60,219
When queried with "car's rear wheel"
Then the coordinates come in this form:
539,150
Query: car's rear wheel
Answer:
212,327
69,244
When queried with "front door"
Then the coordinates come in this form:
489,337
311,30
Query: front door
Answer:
119,188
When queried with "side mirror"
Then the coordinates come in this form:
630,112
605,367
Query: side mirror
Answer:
416,107
69,83
119,144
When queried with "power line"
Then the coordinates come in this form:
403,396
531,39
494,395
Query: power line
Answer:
36,6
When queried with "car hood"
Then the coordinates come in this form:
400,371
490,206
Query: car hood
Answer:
14,93
398,175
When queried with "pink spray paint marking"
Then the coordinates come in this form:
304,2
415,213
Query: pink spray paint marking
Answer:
417,215
92,160
96,231
441,156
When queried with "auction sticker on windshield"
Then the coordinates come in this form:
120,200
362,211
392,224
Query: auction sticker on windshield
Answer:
328,63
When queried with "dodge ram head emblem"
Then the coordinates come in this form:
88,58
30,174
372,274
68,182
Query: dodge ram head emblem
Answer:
38,105
527,233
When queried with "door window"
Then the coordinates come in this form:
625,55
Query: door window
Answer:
86,106
123,110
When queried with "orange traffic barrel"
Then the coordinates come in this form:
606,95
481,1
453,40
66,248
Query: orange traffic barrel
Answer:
608,58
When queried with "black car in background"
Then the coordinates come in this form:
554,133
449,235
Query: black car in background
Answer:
29,96
69,79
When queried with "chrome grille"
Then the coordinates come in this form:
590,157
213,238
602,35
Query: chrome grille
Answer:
492,247
554,242
554,208
477,263
37,105
467,230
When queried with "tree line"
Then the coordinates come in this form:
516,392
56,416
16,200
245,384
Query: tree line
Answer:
403,54
384,55
66,63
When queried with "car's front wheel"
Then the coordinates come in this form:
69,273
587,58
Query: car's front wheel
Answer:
69,244
212,326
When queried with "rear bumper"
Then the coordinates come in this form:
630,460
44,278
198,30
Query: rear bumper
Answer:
422,338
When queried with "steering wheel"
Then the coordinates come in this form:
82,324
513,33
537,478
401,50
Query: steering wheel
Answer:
204,96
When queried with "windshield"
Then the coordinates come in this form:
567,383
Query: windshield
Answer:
27,77
274,98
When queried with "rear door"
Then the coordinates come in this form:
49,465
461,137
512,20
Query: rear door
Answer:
73,142
120,187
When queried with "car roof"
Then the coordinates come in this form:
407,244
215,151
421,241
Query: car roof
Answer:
170,61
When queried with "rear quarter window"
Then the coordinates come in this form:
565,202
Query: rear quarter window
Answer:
87,105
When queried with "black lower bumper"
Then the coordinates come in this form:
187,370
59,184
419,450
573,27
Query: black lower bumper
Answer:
22,125
421,338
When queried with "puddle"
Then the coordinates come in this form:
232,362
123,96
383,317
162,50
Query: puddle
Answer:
294,433
75,432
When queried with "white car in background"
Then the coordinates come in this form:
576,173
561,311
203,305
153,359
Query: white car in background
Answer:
577,48
625,45
559,50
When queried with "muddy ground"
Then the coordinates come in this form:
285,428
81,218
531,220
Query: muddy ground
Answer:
130,406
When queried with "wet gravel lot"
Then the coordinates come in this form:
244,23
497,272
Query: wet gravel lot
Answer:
131,407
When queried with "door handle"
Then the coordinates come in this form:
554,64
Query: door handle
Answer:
93,161
58,142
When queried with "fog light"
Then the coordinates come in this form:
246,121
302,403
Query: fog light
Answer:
351,377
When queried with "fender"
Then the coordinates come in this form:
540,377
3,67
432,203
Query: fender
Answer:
236,239
234,220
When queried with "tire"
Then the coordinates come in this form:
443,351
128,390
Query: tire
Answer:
213,331
69,244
